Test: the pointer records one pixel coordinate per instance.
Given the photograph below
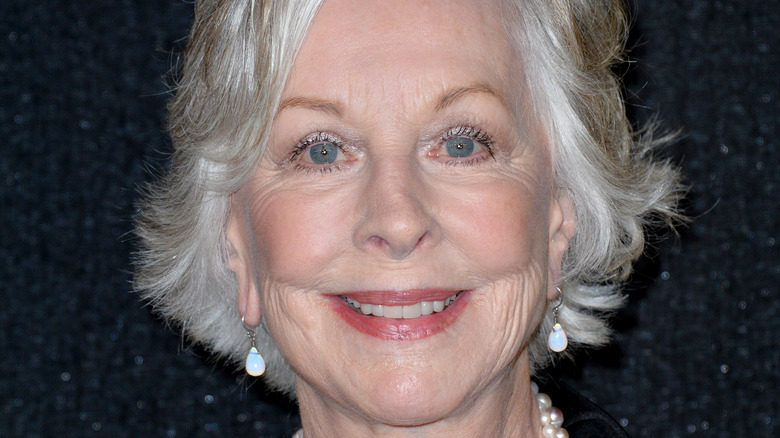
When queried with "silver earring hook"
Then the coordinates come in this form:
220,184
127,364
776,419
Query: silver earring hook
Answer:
251,332
559,305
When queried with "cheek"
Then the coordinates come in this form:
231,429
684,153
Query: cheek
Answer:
502,226
297,235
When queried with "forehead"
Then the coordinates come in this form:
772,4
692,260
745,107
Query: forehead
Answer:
374,45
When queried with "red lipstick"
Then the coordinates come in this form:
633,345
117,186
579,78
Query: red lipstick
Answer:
399,328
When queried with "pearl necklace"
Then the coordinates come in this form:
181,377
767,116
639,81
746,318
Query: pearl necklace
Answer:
551,417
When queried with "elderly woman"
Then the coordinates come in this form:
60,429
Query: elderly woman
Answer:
403,209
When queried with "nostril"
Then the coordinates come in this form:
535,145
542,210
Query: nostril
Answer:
397,248
377,241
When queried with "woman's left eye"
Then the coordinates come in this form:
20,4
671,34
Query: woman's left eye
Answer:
464,145
459,147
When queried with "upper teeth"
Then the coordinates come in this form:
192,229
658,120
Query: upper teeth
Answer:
406,312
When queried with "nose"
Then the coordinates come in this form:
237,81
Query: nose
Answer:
396,218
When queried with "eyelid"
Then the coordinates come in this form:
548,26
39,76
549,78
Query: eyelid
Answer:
469,132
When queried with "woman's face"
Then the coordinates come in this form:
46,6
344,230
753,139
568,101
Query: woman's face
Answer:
401,173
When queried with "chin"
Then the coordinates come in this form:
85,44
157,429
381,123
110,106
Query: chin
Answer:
412,398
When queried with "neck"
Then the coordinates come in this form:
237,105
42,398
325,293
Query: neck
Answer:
503,408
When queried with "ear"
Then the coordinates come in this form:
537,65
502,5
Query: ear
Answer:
563,225
240,262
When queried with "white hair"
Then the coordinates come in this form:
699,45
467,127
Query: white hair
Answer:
618,187
235,66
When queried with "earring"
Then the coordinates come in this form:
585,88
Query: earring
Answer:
557,341
255,365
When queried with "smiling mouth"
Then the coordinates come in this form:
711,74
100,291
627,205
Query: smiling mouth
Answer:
410,311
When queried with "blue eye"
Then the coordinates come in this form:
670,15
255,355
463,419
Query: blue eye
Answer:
324,153
460,147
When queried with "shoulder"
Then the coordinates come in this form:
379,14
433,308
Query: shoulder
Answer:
581,417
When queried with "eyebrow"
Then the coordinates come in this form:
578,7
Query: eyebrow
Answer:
453,96
334,109
311,103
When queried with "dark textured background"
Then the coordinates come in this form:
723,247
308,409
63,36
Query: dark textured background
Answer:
81,114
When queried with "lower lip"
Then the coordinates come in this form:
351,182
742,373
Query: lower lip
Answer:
401,329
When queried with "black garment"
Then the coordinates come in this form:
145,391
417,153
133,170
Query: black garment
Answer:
581,418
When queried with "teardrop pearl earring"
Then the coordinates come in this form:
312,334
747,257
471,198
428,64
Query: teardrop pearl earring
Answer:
255,365
557,341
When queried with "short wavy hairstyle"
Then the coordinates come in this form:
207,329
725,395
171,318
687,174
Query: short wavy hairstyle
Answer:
227,92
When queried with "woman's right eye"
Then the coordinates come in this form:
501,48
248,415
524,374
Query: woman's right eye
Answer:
323,153
319,151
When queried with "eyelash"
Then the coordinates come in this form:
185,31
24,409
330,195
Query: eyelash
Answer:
470,132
